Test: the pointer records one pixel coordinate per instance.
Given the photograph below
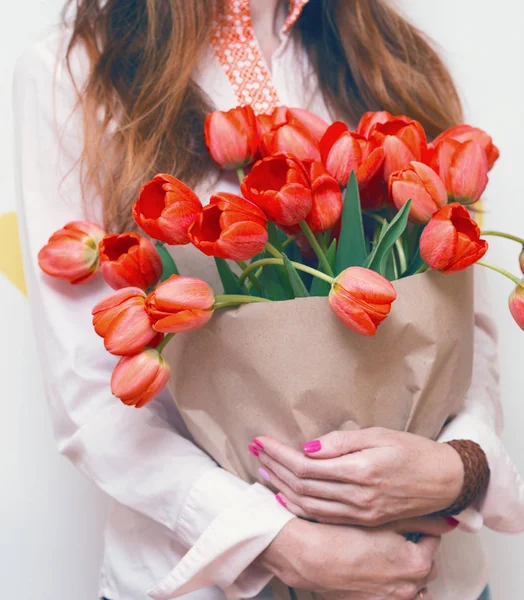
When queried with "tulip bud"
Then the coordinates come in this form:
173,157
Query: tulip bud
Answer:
521,259
129,260
232,137
166,208
361,299
230,227
280,186
403,141
371,119
72,252
180,304
451,241
466,133
121,319
516,304
296,131
138,379
326,197
463,167
423,186
344,151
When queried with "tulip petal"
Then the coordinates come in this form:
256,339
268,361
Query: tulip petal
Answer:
184,320
129,332
183,293
242,241
117,298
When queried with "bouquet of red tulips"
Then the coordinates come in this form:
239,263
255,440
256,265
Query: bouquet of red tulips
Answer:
366,218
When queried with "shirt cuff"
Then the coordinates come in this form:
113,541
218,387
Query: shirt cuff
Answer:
224,537
502,506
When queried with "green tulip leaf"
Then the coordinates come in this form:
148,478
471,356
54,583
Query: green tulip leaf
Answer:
352,250
299,289
378,258
228,278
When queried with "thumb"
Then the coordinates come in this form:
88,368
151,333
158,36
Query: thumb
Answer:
339,443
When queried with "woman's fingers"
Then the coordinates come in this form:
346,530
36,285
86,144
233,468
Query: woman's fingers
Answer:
340,443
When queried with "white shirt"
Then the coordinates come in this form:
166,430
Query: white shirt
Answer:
178,523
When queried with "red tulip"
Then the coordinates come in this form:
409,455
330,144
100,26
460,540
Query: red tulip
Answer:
423,186
230,227
138,379
129,260
370,120
280,186
463,167
451,241
466,133
72,252
374,196
344,151
121,319
403,141
291,130
516,304
326,196
361,299
521,260
166,208
232,137
180,304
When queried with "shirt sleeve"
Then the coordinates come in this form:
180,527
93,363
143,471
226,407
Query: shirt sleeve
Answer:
502,506
141,458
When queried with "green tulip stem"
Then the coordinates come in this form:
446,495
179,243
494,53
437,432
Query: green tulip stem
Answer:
252,276
286,243
240,174
500,270
278,261
501,234
273,251
165,342
403,263
236,299
322,259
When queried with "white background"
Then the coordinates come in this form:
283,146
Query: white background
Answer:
51,518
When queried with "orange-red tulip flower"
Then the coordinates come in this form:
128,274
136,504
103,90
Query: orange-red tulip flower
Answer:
451,241
280,186
121,319
466,133
516,304
230,227
361,299
166,208
403,141
180,304
327,201
72,252
463,167
423,186
232,137
129,260
138,379
371,119
293,130
344,151
521,260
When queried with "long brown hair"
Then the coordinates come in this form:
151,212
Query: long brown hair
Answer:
143,52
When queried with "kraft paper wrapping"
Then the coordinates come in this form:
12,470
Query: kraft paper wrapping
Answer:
291,370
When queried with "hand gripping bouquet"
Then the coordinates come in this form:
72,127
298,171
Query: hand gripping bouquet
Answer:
344,262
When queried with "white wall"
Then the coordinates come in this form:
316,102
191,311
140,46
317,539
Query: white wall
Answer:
50,517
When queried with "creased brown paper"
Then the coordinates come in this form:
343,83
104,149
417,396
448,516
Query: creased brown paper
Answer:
291,370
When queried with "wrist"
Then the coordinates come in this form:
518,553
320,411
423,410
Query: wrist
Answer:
452,480
285,557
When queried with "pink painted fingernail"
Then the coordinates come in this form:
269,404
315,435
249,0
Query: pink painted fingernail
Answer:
452,522
264,474
253,450
311,447
281,499
258,443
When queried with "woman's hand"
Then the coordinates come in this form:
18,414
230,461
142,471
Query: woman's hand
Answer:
358,563
366,477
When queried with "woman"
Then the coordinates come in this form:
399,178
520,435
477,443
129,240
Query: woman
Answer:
122,94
